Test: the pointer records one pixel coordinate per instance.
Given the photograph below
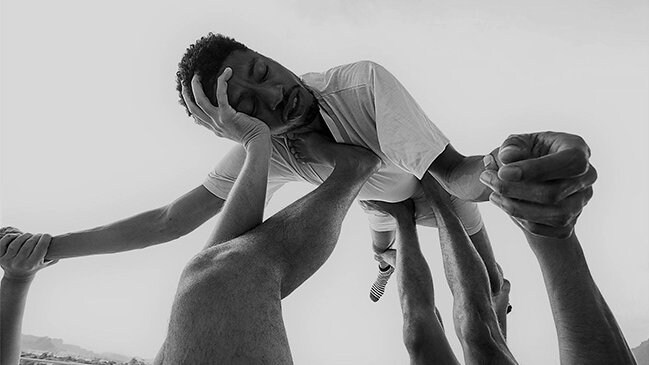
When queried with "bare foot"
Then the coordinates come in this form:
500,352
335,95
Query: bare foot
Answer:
318,149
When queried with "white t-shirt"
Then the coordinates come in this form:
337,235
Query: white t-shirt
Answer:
362,104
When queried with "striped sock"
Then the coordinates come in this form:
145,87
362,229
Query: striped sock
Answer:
378,288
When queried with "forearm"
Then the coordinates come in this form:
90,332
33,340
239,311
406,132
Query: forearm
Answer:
465,270
423,332
586,327
463,180
244,208
136,232
13,295
414,278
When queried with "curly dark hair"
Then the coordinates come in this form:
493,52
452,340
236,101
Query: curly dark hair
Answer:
205,57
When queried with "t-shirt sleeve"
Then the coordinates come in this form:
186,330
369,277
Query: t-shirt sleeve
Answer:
406,135
220,180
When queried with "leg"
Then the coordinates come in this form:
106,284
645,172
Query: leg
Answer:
470,216
381,242
228,305
383,232
475,320
307,230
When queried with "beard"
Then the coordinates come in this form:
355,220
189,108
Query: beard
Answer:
310,114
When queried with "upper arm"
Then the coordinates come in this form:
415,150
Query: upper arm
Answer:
191,210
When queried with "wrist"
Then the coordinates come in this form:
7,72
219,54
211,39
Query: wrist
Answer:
258,138
18,278
553,248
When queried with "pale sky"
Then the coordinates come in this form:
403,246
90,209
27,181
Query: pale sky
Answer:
92,133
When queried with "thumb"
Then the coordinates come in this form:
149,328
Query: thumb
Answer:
515,148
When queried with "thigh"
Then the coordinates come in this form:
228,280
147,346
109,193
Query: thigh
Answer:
227,310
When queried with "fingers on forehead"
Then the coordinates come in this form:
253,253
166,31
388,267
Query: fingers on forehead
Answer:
222,87
197,88
187,96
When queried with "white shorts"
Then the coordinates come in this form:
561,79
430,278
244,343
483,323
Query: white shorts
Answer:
467,212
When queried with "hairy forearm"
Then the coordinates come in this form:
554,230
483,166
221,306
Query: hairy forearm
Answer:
136,232
586,327
414,278
423,332
464,269
13,295
244,208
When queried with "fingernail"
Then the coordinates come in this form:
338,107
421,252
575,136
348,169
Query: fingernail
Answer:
487,160
487,176
507,149
510,173
496,199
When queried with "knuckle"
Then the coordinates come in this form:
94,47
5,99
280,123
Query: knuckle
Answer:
592,174
561,219
588,194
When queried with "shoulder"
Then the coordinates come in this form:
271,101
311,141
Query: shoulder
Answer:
356,74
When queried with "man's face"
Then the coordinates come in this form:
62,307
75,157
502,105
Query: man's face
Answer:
266,90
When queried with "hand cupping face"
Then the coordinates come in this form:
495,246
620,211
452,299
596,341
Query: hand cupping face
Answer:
542,180
224,121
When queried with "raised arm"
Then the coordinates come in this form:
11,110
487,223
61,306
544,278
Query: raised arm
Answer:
423,333
244,209
156,226
534,165
21,256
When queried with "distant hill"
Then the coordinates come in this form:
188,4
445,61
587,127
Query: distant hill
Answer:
641,353
58,347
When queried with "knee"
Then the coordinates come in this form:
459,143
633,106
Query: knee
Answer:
415,339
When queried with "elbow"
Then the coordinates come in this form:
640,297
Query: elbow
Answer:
169,227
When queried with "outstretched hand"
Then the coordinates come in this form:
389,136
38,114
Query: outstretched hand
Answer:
23,254
542,180
223,120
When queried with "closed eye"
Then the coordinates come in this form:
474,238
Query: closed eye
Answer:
266,72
